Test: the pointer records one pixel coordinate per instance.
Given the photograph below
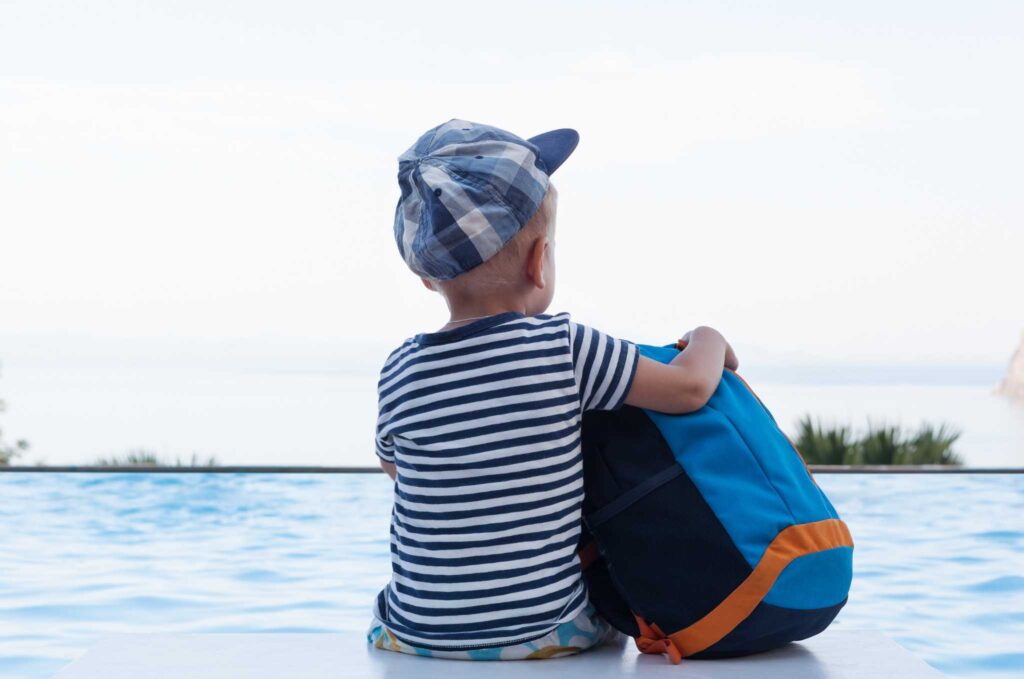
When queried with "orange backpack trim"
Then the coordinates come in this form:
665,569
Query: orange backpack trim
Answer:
790,544
653,640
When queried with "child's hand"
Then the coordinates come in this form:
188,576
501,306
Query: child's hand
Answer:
687,382
731,362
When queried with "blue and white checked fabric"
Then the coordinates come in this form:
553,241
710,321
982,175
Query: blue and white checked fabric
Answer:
467,189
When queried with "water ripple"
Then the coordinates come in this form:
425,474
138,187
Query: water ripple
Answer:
938,563
1006,583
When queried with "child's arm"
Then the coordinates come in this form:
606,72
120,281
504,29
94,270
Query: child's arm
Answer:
384,444
687,383
731,362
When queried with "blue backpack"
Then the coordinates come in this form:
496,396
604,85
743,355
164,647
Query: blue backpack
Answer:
704,534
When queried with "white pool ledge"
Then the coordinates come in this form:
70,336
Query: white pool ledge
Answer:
832,655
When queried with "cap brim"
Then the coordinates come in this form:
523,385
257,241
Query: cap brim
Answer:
555,146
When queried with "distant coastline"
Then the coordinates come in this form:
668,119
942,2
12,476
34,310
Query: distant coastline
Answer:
1013,383
358,358
315,401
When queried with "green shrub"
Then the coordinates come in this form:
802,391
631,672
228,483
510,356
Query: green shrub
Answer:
933,446
145,458
819,445
9,451
879,445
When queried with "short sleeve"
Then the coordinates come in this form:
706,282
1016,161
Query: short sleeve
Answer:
384,442
385,447
604,367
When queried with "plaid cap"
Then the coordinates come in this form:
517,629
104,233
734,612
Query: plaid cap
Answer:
467,189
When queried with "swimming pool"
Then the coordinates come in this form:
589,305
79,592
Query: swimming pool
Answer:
939,563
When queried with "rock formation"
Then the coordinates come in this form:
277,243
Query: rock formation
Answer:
1013,384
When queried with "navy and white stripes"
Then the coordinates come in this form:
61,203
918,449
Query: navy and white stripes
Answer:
483,425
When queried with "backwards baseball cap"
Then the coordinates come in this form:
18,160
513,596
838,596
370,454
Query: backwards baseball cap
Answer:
467,189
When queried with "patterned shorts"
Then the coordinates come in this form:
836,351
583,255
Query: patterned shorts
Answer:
584,631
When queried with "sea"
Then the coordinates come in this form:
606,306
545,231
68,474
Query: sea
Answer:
285,404
938,561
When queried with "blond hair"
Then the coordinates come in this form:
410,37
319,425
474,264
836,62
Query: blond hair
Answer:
502,269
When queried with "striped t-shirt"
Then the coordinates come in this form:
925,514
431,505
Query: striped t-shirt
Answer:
483,425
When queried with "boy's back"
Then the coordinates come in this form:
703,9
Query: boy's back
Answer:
479,424
483,425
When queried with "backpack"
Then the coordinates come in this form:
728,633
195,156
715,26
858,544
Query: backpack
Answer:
705,534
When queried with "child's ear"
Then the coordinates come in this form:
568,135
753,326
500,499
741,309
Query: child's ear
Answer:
535,262
428,285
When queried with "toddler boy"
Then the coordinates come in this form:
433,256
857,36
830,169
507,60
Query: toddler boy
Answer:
479,421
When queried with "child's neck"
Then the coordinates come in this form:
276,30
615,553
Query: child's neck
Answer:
460,314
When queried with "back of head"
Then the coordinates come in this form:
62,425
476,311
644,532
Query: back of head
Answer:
504,271
471,195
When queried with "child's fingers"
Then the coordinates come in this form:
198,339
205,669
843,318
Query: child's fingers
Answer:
731,362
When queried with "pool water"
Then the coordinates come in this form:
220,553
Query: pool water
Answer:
939,561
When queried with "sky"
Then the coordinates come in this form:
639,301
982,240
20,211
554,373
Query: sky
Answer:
821,182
